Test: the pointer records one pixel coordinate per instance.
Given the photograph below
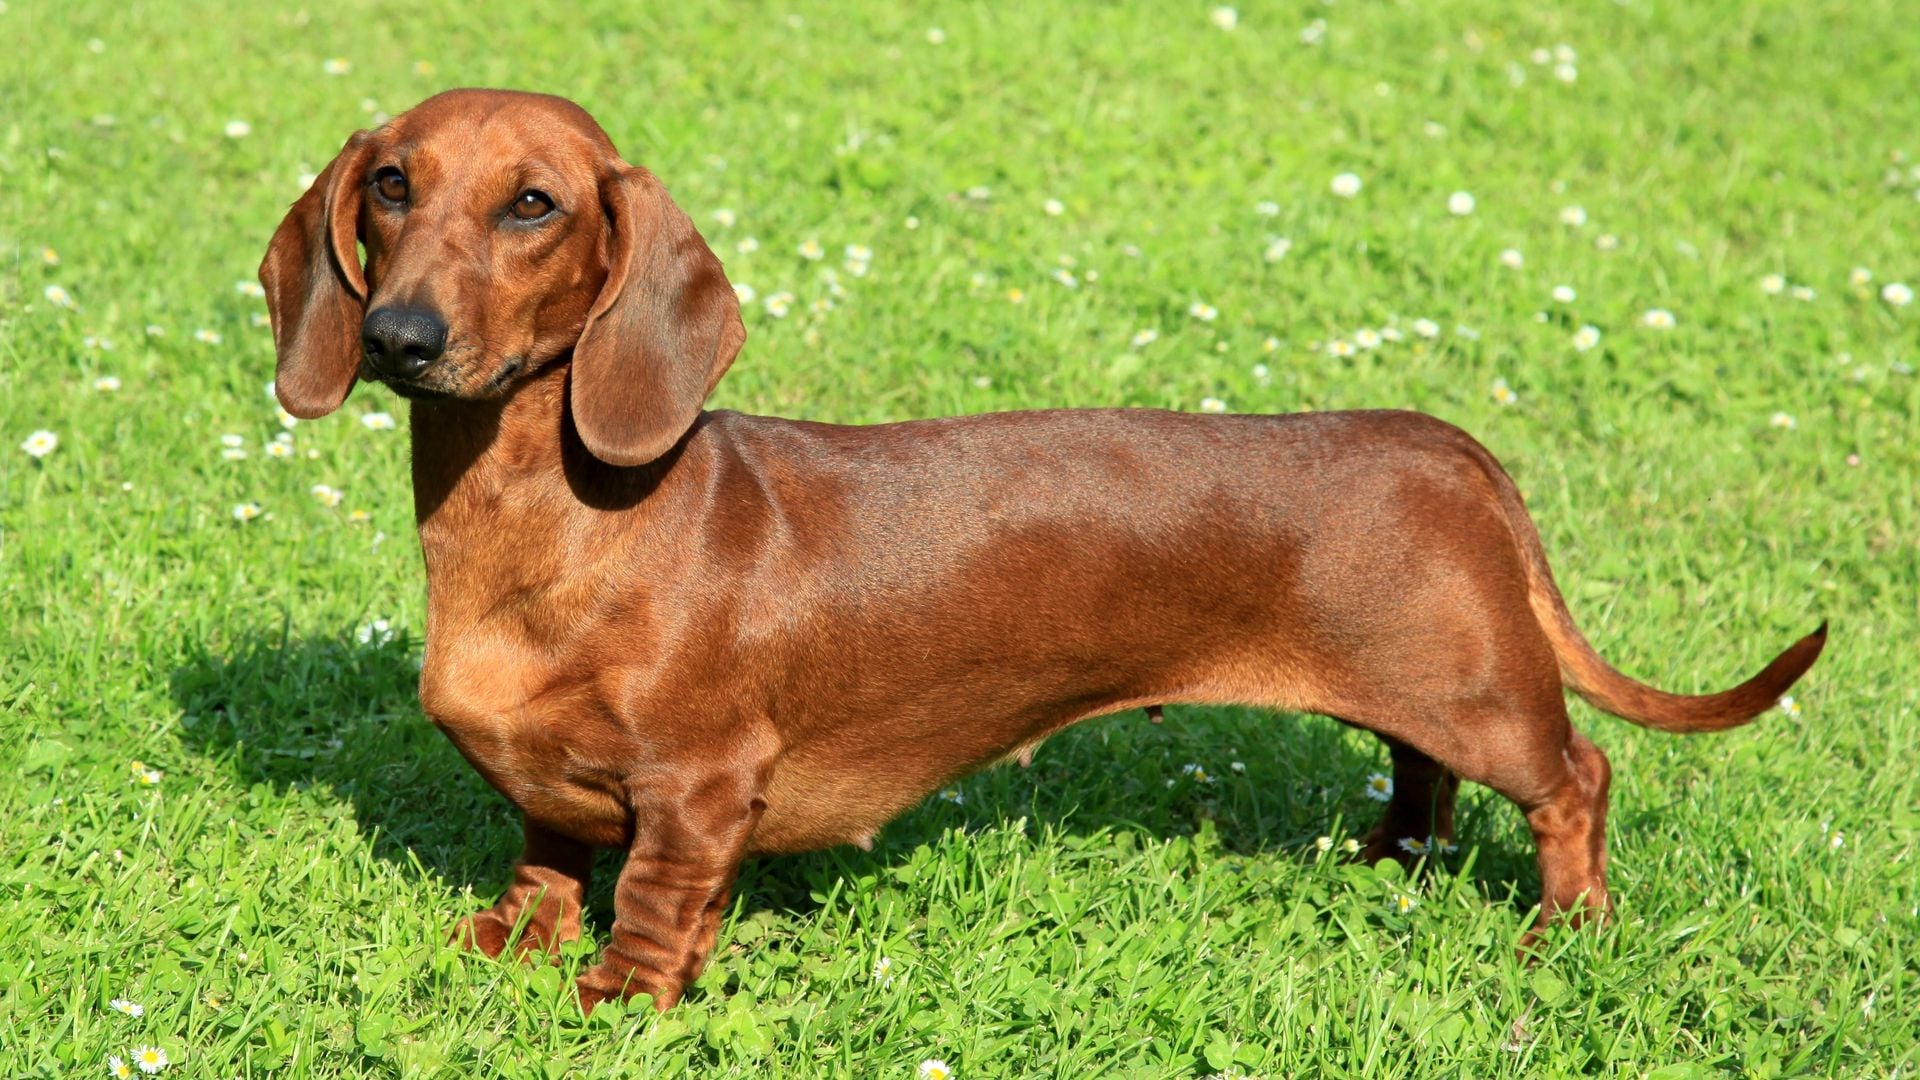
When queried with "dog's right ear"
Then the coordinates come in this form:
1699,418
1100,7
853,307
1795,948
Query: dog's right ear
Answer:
316,290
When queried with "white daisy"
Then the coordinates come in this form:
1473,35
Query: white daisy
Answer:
1426,328
1415,847
1658,319
118,1068
1323,843
1367,339
1460,204
1066,278
934,1069
1212,405
1606,242
1205,312
725,218
1859,277
1563,294
1225,18
1404,904
1379,787
1267,208
744,293
1586,337
336,65
811,251
40,443
1512,259
238,129
207,337
1773,284
1783,420
779,304
1802,293
1143,338
1054,207
377,421
747,245
1503,393
1896,294
936,36
1566,73
107,384
326,495
58,296
1575,216
1346,185
246,511
1277,249
130,1008
1339,347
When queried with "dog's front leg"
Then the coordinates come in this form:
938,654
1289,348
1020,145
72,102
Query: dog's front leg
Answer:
549,887
690,834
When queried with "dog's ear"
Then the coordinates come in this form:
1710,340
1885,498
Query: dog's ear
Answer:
664,329
316,290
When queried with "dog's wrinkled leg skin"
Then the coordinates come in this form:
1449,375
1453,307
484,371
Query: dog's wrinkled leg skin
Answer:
687,849
1570,827
1421,807
549,887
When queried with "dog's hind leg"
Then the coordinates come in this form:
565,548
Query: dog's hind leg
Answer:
1419,809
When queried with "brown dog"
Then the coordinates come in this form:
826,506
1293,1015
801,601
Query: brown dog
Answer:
704,636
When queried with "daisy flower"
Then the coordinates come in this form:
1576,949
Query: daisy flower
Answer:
1268,344
130,1008
747,245
376,632
1225,18
1564,294
1379,787
149,1059
1391,333
811,251
1414,847
1426,328
936,36
1367,339
1340,348
1346,185
377,421
1143,338
1566,73
859,253
979,193
40,443
1404,904
1350,846
1789,706
1267,208
207,337
325,495
1606,242
118,1068
1065,277
1054,207
1323,843
1016,295
359,517
744,293
149,777
1574,216
779,304
49,256
246,511
725,218
1896,294
336,65
58,296
279,449
238,129
1460,203
1860,277
934,1069
1773,284
1503,393
1783,420
1802,293
1586,338
1512,259
1205,312
1837,840
954,796
1277,249
1658,319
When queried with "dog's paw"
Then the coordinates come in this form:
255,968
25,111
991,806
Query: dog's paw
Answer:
484,933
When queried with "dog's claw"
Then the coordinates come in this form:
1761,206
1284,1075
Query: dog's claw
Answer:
1153,714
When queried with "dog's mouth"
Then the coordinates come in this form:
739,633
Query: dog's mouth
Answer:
444,382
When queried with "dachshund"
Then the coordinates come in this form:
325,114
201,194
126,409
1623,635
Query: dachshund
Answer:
699,636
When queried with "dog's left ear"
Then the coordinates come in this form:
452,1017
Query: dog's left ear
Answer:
665,327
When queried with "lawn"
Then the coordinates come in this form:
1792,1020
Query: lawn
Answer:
221,803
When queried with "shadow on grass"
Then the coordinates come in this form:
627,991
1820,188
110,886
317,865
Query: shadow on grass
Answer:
342,717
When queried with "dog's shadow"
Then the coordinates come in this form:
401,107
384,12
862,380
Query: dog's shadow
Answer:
340,718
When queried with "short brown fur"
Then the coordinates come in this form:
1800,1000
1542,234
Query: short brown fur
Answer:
702,636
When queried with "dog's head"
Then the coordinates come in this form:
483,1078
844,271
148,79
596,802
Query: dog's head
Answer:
503,233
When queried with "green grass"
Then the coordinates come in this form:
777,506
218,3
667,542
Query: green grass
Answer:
276,902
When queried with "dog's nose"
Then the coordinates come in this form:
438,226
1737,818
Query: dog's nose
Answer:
401,342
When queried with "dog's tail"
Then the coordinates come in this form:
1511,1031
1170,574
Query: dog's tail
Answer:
1584,672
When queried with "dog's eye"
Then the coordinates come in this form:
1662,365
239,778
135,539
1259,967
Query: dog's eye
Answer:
391,183
531,205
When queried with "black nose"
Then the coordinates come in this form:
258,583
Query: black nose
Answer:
401,342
